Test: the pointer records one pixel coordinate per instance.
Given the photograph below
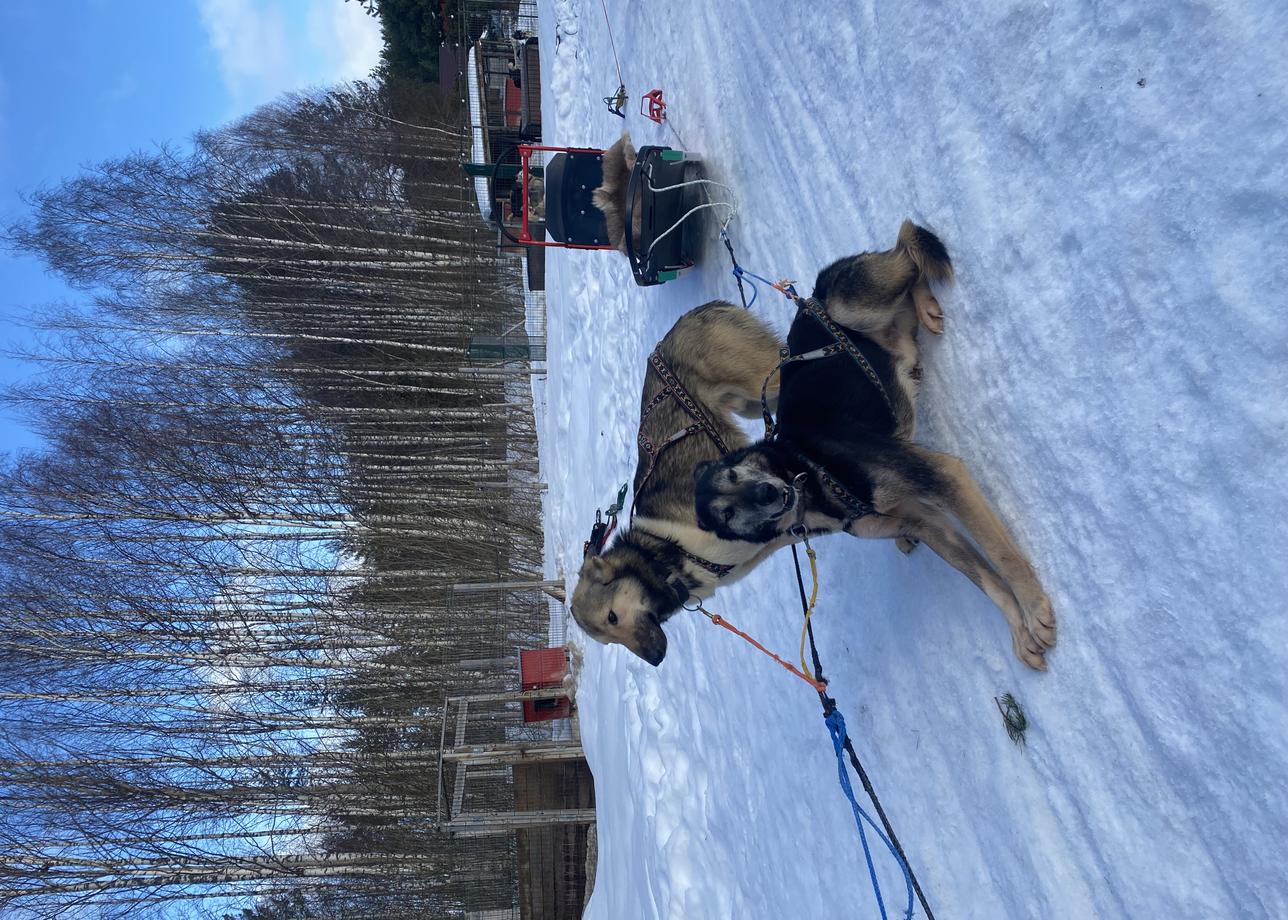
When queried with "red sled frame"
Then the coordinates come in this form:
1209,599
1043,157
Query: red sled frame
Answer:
525,234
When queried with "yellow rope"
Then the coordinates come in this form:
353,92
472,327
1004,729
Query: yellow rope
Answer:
809,611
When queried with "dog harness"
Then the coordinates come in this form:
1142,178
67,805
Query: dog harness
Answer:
718,569
857,507
702,423
841,344
672,389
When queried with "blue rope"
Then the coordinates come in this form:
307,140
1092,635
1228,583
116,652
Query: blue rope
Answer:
745,275
836,728
741,274
739,270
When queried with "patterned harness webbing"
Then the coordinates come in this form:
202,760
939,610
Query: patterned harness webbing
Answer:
718,569
858,507
673,389
702,424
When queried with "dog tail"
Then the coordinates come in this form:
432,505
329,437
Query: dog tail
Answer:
610,197
926,252
603,199
618,162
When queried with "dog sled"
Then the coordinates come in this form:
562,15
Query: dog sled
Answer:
550,203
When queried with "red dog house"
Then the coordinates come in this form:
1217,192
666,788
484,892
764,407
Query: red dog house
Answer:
543,669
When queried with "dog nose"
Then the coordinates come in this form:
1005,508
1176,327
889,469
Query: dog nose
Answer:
766,494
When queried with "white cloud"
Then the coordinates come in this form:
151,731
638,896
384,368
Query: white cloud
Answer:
250,43
267,47
346,38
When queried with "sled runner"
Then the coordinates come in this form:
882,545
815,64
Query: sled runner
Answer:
665,191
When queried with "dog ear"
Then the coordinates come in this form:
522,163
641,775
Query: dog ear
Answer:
702,468
600,570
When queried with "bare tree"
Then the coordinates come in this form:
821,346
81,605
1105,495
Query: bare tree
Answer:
229,625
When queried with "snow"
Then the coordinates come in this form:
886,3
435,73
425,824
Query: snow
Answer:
1110,180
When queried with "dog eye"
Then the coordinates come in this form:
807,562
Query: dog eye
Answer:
728,514
612,618
733,477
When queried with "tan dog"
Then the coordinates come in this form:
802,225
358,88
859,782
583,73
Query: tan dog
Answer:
610,197
720,354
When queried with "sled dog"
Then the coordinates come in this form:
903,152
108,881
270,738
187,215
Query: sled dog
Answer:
708,367
843,457
610,197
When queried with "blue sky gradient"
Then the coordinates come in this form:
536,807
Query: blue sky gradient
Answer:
87,80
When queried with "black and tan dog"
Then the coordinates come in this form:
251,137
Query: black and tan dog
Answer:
707,368
843,457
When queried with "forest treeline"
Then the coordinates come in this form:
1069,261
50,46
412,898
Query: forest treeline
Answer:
228,621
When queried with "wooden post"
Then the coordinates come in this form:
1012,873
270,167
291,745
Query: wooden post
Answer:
458,793
503,822
476,755
513,696
476,587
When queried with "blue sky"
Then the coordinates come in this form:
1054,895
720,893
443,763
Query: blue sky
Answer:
86,80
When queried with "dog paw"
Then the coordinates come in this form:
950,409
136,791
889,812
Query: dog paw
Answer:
906,544
1039,618
1028,649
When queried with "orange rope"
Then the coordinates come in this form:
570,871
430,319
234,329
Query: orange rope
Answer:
784,287
718,620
